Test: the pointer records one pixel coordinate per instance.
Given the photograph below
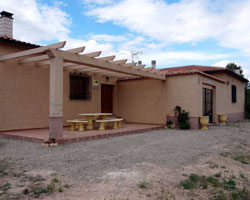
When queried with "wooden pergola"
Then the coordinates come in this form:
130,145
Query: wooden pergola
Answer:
73,59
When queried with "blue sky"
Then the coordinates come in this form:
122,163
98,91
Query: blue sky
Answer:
172,32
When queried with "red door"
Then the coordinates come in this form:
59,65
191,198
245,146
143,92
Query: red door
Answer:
107,98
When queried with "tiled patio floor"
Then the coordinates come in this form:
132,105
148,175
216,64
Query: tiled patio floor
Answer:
39,135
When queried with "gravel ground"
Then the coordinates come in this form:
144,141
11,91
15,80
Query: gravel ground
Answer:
88,161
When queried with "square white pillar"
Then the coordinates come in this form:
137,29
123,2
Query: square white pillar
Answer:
56,98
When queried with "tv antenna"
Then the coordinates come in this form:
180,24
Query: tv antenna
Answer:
135,54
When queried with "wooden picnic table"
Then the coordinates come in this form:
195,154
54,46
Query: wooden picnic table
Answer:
90,117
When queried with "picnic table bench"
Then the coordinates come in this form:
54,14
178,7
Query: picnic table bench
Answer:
90,117
117,123
77,124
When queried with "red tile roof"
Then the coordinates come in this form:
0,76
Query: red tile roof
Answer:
5,38
193,69
190,69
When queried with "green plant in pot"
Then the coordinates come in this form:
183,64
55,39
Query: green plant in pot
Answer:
183,118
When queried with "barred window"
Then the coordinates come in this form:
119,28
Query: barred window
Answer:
234,94
80,87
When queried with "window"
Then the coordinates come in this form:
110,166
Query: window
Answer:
234,94
80,87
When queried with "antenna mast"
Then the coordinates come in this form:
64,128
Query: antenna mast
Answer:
135,54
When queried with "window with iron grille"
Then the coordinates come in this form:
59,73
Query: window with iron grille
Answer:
234,94
80,87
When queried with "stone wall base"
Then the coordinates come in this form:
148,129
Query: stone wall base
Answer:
235,116
56,127
195,121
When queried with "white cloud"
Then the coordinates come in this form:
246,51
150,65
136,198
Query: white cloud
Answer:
100,2
170,23
180,22
109,38
236,32
41,23
166,58
222,63
184,21
35,22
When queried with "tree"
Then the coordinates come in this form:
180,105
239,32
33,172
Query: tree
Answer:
235,68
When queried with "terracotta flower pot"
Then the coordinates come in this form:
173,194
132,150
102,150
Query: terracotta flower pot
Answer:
204,122
223,119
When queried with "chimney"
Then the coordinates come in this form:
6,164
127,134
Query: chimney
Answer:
6,24
237,71
153,63
139,62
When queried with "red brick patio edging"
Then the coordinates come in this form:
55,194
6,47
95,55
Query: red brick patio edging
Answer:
79,139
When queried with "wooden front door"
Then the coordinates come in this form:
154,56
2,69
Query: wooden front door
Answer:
107,98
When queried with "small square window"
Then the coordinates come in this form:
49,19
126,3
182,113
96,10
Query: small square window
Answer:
80,88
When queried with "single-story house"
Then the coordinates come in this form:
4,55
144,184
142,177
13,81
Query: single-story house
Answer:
42,87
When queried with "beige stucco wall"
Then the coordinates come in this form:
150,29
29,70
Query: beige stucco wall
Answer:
224,97
186,91
142,101
183,91
24,99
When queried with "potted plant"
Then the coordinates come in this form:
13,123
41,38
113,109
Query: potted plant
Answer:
170,124
183,118
223,119
204,122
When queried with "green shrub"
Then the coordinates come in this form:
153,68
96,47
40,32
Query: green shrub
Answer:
229,185
183,118
218,175
169,123
194,181
220,196
241,157
215,182
26,191
188,185
243,194
184,126
143,185
5,187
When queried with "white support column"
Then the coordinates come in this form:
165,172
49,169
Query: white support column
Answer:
56,98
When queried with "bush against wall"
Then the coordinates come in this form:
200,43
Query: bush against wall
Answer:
247,103
183,118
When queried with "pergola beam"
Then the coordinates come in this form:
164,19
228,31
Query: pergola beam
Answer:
45,57
148,69
93,54
88,69
123,61
139,67
107,58
32,51
109,73
130,64
91,70
92,62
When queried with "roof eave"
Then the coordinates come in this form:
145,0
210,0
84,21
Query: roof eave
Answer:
231,73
